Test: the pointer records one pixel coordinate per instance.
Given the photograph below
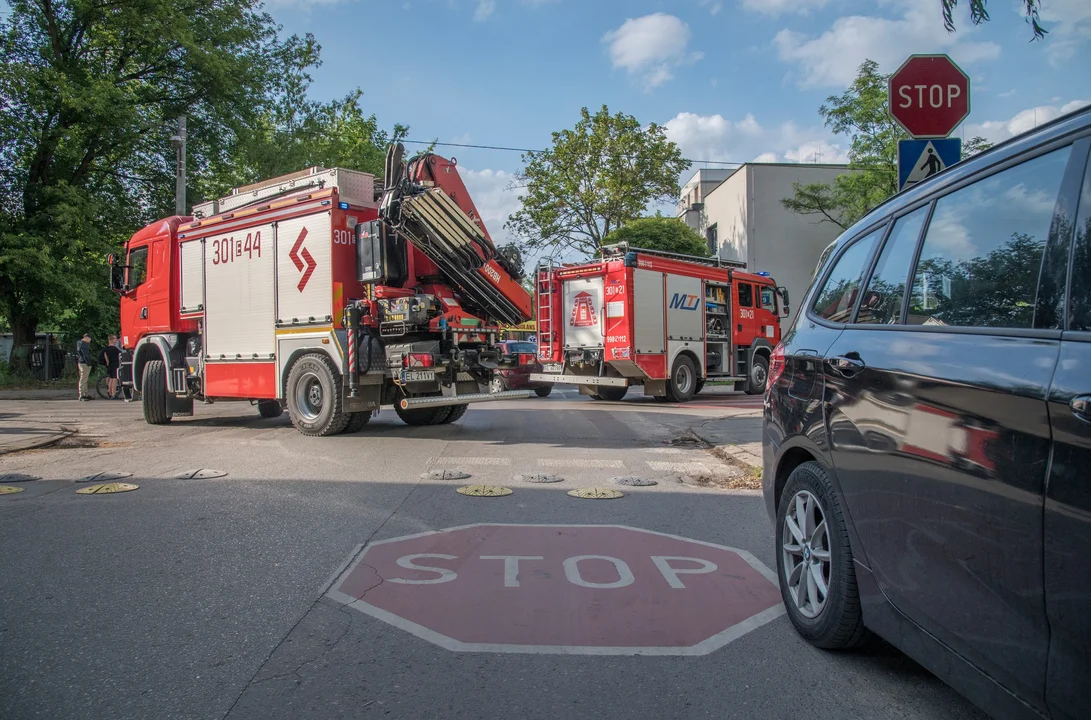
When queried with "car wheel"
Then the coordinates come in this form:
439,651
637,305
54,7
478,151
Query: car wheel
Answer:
155,393
270,408
314,396
611,393
682,383
759,376
814,562
543,391
497,384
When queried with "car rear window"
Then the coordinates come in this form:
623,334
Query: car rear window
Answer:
521,347
835,300
982,252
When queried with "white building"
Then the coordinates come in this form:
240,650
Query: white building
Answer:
739,212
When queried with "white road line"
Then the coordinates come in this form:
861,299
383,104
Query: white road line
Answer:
579,463
677,466
472,460
639,425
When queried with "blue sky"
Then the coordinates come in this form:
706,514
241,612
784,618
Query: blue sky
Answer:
732,80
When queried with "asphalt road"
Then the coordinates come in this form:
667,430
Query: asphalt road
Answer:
210,598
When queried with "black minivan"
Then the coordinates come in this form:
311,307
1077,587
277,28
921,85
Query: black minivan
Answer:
927,430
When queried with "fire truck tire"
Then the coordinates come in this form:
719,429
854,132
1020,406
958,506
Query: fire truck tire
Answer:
543,391
422,416
610,393
314,397
270,408
457,411
357,420
700,387
155,393
593,392
759,376
682,383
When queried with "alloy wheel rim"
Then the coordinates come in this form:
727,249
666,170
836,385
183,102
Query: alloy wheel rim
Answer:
683,379
805,548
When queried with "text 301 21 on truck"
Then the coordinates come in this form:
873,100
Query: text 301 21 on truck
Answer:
320,292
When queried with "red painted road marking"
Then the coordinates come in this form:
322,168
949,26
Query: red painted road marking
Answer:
578,589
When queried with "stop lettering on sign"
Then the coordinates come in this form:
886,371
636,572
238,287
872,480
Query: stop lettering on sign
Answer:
924,96
561,589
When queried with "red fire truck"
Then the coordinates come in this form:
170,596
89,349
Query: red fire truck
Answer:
666,321
319,292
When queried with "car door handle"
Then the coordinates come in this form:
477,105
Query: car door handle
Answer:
144,313
1081,407
846,366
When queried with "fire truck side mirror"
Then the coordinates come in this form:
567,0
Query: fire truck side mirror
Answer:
783,292
370,251
117,277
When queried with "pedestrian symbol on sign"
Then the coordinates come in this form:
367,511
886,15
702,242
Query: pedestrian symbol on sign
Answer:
933,163
919,160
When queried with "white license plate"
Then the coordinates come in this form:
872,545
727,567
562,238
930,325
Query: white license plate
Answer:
552,367
418,376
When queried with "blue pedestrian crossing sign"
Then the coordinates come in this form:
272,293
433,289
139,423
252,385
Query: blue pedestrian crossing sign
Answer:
921,159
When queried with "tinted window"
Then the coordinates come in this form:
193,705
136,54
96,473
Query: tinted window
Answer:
834,302
521,347
1080,304
138,267
882,303
983,250
746,295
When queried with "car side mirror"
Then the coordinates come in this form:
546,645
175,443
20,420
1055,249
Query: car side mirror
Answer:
370,255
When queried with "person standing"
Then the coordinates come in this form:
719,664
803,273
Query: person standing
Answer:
111,358
83,363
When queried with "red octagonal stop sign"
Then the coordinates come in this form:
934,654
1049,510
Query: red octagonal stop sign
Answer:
929,96
581,589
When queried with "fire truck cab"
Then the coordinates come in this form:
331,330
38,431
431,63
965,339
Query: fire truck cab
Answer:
664,321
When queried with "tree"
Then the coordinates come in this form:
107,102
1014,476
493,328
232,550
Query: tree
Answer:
659,233
596,177
861,113
978,15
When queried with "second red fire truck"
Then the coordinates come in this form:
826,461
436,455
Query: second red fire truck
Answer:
662,321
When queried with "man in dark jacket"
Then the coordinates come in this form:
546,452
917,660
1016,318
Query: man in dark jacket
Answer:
83,362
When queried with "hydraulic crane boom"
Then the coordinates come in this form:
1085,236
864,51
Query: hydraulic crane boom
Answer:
426,202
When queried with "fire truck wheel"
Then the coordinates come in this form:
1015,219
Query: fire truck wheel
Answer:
457,411
610,393
423,416
682,383
155,393
357,420
759,376
700,387
314,396
270,408
593,392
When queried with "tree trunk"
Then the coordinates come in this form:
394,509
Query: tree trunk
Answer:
23,329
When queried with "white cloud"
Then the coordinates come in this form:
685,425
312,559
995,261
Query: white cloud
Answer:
485,8
714,6
999,130
651,46
713,137
832,58
1069,26
777,7
494,201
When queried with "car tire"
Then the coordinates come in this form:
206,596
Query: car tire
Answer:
818,554
270,408
357,421
758,376
315,397
543,391
611,393
682,383
155,393
497,384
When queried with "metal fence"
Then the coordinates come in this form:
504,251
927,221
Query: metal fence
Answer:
34,362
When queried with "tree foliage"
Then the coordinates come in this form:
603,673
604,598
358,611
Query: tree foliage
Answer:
595,178
861,113
89,93
979,14
659,233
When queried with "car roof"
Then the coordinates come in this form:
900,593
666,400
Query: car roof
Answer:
1073,122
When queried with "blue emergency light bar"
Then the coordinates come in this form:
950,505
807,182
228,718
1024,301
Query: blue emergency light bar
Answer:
343,205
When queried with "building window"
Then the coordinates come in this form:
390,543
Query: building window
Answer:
713,241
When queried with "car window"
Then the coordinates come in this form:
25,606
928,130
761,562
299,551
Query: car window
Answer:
746,295
138,267
835,300
1079,317
521,347
768,299
982,251
882,301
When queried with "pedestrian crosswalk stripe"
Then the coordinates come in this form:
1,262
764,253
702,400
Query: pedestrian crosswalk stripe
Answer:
579,463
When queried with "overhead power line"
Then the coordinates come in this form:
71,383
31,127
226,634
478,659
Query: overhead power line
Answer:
528,150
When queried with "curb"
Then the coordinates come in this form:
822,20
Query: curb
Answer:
737,453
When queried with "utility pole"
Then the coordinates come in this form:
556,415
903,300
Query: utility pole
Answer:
179,143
